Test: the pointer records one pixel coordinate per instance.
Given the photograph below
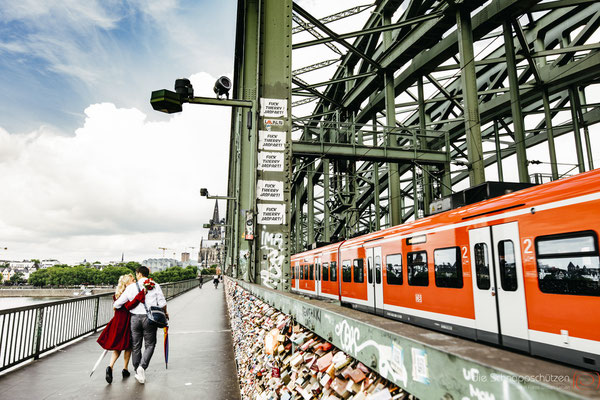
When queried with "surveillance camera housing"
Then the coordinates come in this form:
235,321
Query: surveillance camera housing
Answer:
166,101
184,88
222,87
203,192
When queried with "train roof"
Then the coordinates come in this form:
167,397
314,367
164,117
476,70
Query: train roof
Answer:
578,185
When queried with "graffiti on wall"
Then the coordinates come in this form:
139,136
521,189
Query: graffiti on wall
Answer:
390,360
272,245
243,271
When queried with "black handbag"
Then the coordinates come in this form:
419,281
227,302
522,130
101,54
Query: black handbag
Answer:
155,314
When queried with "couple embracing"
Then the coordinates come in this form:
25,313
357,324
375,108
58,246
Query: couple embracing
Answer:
130,325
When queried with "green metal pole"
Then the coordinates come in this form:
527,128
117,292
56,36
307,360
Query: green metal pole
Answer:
498,151
469,88
326,194
310,204
576,132
550,135
424,145
395,211
515,103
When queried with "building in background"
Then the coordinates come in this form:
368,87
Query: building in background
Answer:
160,264
214,232
185,257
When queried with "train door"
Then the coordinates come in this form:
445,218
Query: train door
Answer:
375,279
498,289
484,285
318,276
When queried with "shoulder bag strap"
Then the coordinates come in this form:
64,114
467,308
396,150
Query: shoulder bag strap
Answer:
139,290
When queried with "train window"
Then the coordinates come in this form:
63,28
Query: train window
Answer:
333,271
359,270
416,268
370,269
568,263
346,271
325,272
293,272
312,272
508,265
394,269
378,269
448,267
482,266
305,271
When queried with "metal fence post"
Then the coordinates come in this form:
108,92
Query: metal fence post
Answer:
96,314
38,333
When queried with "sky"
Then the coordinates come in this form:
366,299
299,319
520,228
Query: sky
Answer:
88,171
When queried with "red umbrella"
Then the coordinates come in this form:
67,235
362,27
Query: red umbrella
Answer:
166,346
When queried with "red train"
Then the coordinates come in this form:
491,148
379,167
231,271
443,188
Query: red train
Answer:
521,270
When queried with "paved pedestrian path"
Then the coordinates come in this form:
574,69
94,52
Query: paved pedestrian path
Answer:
201,361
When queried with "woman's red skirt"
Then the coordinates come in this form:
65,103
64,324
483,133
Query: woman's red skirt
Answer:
117,333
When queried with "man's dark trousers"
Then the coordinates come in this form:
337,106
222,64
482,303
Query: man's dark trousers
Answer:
142,329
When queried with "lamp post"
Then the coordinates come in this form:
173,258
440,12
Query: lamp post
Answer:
170,102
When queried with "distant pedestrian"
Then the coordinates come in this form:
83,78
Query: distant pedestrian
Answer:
141,328
116,336
201,282
216,281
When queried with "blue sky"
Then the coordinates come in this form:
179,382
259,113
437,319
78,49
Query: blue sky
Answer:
57,57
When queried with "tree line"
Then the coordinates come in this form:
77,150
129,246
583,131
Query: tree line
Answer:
64,275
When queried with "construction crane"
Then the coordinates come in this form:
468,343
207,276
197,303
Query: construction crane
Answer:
163,249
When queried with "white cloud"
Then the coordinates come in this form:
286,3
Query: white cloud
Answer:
121,183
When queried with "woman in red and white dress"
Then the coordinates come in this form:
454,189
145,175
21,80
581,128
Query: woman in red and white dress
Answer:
116,336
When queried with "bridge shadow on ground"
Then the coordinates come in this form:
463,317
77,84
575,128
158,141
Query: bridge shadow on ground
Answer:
201,361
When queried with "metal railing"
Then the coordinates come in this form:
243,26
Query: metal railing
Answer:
30,331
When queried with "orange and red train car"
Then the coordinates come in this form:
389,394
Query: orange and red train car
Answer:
521,270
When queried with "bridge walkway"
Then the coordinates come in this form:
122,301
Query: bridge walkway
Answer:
201,361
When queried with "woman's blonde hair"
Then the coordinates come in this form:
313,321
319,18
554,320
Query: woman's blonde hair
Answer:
124,280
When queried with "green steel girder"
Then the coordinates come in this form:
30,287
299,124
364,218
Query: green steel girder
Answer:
366,153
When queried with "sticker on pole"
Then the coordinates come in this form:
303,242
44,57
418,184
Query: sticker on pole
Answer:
270,122
270,161
270,140
273,107
271,214
269,190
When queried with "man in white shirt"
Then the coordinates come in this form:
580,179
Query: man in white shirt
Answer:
141,329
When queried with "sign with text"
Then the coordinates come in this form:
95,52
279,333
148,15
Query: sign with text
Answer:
270,140
271,214
270,161
269,190
273,107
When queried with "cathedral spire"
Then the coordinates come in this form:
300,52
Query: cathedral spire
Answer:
215,230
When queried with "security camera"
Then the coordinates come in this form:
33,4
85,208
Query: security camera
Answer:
184,88
222,87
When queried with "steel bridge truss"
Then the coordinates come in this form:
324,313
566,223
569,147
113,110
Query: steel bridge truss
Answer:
434,96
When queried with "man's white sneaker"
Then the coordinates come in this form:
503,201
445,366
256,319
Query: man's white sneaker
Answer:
140,374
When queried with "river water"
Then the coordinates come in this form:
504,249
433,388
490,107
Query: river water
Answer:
14,302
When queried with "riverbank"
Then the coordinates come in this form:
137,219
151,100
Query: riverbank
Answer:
67,292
